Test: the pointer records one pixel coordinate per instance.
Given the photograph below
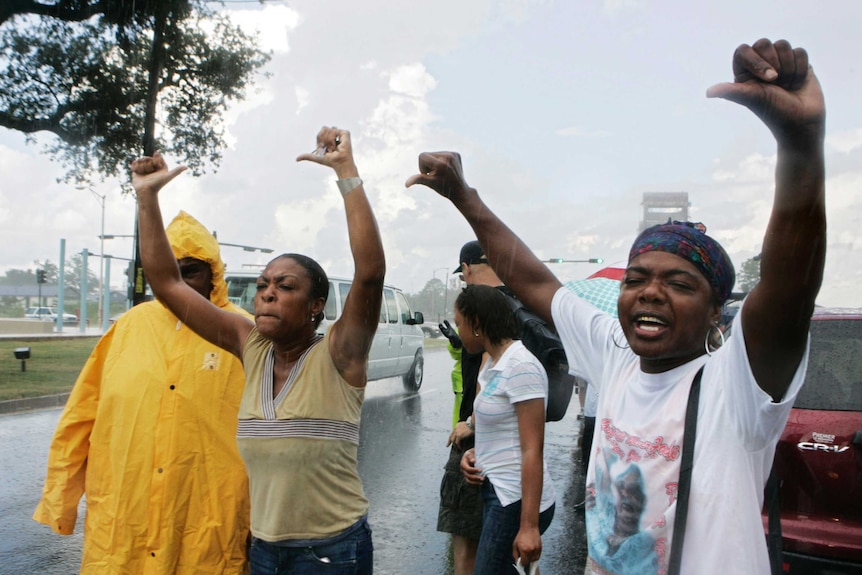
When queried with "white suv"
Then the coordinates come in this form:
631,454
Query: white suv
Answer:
49,314
397,349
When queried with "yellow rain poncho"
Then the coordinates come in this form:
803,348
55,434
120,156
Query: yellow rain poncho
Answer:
149,435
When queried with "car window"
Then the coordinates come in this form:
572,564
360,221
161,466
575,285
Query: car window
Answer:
391,307
331,307
834,378
343,290
405,307
337,292
383,317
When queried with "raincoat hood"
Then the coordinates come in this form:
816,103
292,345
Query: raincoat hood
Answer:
190,239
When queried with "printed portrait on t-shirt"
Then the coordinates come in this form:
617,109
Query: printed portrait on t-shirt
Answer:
626,528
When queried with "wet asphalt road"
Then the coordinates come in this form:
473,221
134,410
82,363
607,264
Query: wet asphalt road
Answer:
402,453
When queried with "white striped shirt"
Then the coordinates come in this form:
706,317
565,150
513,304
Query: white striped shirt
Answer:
517,376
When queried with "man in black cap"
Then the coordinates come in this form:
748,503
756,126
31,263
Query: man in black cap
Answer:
472,254
460,503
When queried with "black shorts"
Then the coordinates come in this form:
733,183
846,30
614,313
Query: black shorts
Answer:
460,503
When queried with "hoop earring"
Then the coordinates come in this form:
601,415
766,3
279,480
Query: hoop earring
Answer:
706,340
613,339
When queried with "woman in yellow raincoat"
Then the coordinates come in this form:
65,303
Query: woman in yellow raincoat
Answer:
149,434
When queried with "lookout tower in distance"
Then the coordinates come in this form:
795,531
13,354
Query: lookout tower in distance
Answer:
659,206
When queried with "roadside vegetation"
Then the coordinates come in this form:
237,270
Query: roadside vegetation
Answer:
435,342
53,366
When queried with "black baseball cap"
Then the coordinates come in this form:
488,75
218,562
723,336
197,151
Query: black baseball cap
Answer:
471,253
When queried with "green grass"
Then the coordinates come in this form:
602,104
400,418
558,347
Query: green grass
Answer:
435,342
53,366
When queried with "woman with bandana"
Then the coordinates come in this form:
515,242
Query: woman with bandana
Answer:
644,364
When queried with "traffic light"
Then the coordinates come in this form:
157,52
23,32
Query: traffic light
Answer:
40,276
565,261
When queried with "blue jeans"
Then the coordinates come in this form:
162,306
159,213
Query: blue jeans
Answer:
348,553
500,526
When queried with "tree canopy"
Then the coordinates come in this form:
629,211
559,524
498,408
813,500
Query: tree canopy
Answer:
92,72
434,300
118,12
748,275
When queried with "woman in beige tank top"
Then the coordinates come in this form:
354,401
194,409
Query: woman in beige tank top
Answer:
303,391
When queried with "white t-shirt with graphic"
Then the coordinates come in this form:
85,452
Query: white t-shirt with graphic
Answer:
517,376
591,401
634,468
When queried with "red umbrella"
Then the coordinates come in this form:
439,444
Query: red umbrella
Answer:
610,272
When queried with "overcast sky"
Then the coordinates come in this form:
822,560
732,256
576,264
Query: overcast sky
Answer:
564,113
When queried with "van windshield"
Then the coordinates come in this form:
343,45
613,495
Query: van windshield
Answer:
241,291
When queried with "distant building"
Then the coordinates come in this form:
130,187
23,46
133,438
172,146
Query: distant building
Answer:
659,206
32,295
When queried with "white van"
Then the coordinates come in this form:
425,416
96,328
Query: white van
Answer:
397,350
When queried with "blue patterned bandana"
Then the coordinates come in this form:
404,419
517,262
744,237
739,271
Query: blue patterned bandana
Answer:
689,241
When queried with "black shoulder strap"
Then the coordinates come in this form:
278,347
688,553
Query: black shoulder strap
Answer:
773,539
686,465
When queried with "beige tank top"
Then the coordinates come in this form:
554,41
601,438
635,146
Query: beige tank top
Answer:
300,447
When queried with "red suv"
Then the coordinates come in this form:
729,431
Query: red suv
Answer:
818,461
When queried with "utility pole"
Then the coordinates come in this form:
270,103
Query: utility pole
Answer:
434,293
101,199
157,58
40,279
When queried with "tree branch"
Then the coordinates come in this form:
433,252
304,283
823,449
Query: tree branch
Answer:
62,9
33,125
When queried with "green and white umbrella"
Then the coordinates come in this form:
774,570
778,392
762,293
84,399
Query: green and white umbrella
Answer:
602,289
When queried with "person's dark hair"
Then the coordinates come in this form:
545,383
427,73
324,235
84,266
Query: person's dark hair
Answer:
319,281
486,307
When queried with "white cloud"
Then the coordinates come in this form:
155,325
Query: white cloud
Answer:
619,7
570,131
398,125
843,274
754,168
302,233
302,98
845,141
411,80
272,23
503,83
402,116
578,132
518,10
582,243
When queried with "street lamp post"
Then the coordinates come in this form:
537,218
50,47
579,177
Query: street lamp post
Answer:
247,248
220,243
445,292
101,199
